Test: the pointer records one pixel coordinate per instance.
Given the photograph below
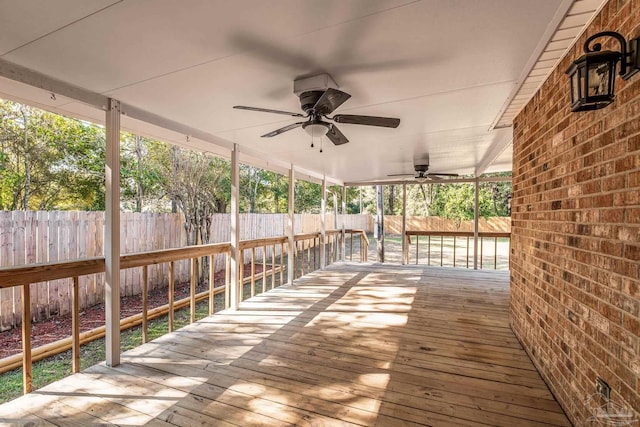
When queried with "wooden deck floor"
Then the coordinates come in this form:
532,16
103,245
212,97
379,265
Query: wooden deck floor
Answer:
363,345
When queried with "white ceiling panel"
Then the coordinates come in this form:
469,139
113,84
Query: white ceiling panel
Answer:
449,70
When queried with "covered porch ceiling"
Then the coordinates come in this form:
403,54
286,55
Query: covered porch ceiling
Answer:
455,72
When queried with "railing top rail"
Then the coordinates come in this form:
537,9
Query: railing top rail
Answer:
456,233
306,236
248,244
174,254
34,273
358,231
42,272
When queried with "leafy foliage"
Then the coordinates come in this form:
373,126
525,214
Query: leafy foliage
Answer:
52,162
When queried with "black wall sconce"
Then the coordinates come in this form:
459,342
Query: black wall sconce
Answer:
593,75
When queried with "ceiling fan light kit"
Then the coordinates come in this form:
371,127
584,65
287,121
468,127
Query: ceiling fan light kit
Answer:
320,97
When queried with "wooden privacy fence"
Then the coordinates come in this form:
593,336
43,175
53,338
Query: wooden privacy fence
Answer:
393,224
27,278
49,236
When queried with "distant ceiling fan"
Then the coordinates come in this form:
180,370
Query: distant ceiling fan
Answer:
421,167
318,99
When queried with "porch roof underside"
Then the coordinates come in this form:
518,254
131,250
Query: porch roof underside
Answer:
455,73
357,344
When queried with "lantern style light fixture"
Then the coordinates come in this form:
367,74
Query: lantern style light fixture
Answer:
593,75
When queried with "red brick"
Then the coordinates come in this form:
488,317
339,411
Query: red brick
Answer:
576,234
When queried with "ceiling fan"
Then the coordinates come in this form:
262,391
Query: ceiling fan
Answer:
317,104
421,176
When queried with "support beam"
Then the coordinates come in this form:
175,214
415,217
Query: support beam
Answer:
476,215
112,235
291,230
235,280
404,223
344,217
323,224
380,223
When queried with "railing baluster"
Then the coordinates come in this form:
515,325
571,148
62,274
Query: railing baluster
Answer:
429,250
75,326
441,249
253,272
227,280
300,251
212,284
315,249
467,251
241,253
309,268
273,267
172,275
417,248
145,303
281,263
264,268
481,244
194,282
495,253
454,251
26,339
351,246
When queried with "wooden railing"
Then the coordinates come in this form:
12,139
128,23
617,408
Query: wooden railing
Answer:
437,239
264,251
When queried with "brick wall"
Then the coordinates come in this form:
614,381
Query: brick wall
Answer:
576,233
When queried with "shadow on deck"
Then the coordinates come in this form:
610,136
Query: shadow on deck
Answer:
356,344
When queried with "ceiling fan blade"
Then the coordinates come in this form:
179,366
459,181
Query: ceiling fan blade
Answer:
401,174
336,136
282,130
329,101
442,174
266,110
386,122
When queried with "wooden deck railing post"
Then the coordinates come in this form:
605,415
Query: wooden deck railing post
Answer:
172,278
145,303
26,339
75,326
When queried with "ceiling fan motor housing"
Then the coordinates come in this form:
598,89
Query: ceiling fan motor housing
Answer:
308,99
421,168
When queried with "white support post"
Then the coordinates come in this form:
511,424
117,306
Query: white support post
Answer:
344,218
291,268
236,281
404,223
323,224
112,235
476,215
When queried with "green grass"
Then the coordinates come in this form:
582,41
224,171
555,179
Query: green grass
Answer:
57,367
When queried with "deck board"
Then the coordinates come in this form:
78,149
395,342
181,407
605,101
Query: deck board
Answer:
355,345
